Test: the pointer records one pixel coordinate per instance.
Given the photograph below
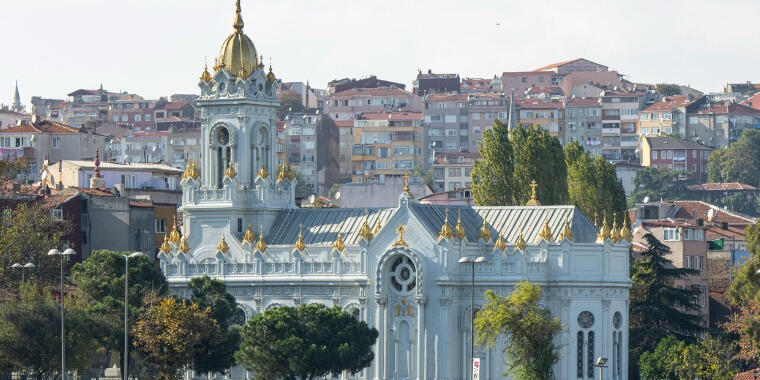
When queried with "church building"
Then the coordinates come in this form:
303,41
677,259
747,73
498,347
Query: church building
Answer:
396,268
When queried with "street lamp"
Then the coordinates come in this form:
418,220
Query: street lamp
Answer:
125,370
470,260
22,267
601,363
66,252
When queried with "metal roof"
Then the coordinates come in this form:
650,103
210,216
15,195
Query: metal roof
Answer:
321,226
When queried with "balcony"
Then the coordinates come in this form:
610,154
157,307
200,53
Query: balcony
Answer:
611,131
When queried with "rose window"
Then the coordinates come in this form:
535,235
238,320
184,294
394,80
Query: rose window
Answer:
403,278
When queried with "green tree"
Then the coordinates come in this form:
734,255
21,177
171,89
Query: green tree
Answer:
657,307
744,295
512,160
709,358
9,170
305,342
738,163
334,189
530,329
290,101
25,237
303,191
662,363
666,89
30,334
593,185
169,334
216,352
100,286
660,183
492,175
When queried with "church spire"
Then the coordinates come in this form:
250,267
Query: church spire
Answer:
238,24
17,100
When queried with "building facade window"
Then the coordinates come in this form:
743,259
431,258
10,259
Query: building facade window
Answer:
585,350
160,226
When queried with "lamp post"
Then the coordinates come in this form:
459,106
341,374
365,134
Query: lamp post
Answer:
66,252
470,260
601,362
125,370
22,267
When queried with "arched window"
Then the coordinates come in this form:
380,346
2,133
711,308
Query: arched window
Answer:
590,358
240,317
403,275
580,361
617,338
585,348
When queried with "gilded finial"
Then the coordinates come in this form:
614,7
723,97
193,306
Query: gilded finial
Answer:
596,219
261,245
459,229
365,232
230,172
533,196
270,75
183,246
500,244
238,24
249,236
546,231
263,172
339,244
446,231
406,182
615,233
205,75
261,61
282,174
186,174
567,232
604,232
625,231
520,243
300,245
216,64
291,173
485,232
223,247
400,241
376,230
165,247
194,171
174,235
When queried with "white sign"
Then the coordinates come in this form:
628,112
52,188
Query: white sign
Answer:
475,368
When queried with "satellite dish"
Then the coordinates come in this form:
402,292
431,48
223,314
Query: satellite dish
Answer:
337,195
646,199
711,214
311,198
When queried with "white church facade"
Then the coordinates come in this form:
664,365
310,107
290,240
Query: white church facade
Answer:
395,268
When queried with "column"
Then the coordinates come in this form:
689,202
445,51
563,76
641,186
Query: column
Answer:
421,344
379,324
444,357
606,333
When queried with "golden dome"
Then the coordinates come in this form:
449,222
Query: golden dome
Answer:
459,229
165,247
261,245
546,231
238,54
249,236
230,172
500,244
567,232
339,244
365,232
446,232
485,232
520,243
625,231
615,233
222,247
300,245
604,232
183,246
205,76
263,172
174,234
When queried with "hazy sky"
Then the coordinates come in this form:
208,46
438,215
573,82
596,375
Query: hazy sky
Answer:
157,47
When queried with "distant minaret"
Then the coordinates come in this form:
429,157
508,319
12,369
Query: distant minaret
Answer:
17,101
511,118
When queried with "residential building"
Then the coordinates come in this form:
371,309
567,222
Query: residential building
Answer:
387,144
183,145
346,105
718,124
482,110
620,112
451,170
180,109
340,85
546,92
549,115
572,66
716,192
47,109
138,115
40,140
302,147
675,154
345,148
77,173
446,121
280,141
583,123
667,116
519,81
309,97
477,85
753,101
10,118
626,175
431,83
458,197
608,80
144,147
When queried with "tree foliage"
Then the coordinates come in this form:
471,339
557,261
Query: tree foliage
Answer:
30,334
25,237
674,359
511,160
305,342
593,185
290,101
667,89
660,183
216,351
744,295
530,329
100,285
657,307
740,162
9,170
168,335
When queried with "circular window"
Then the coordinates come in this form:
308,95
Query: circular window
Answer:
261,87
239,316
585,319
222,86
403,278
617,320
224,136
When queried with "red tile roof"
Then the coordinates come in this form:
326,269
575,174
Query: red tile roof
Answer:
45,126
753,101
380,91
733,108
558,64
747,375
670,103
344,123
536,72
687,209
722,186
391,116
175,105
537,104
447,98
577,102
